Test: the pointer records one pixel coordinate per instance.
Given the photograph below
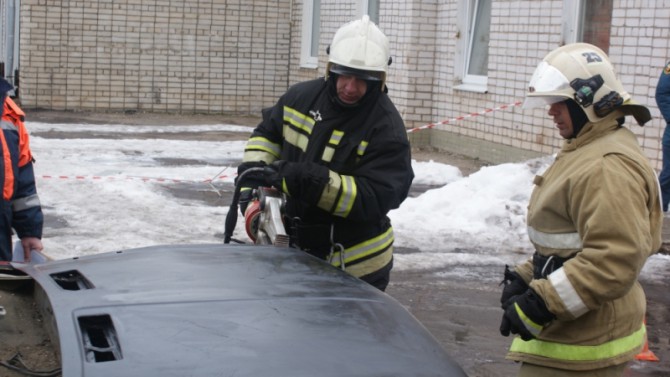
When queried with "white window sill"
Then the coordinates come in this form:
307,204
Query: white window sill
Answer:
309,66
472,88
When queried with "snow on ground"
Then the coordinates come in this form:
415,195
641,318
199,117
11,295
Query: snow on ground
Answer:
111,194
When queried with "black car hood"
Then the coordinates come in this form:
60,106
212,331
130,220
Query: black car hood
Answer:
228,310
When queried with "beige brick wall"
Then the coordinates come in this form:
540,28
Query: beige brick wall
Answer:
239,56
522,32
167,56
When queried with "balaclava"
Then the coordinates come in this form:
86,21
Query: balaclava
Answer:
577,115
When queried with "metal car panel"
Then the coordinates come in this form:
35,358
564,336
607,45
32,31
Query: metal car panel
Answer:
229,310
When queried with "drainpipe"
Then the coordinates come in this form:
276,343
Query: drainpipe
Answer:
290,43
11,67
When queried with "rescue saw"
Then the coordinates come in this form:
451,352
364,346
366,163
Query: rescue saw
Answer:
263,216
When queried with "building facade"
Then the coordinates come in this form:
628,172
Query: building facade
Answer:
459,73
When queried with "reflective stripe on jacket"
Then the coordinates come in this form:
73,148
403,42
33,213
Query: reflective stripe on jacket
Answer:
599,206
558,354
367,155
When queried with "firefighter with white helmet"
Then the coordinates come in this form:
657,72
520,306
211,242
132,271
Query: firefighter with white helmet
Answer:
594,218
339,151
361,49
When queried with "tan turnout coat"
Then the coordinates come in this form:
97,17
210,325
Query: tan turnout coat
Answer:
598,204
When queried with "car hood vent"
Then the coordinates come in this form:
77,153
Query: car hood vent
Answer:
99,339
71,280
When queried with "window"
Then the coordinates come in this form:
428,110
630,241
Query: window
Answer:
311,32
371,8
472,55
588,21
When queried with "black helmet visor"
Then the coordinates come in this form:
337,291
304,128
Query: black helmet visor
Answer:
359,73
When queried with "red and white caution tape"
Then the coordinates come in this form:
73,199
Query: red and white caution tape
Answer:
210,182
128,178
218,177
222,177
471,115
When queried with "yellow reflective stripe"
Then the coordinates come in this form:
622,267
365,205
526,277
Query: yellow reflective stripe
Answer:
361,148
371,265
347,196
298,120
330,192
363,249
336,137
570,352
530,325
284,188
555,240
295,138
261,144
258,156
329,151
339,194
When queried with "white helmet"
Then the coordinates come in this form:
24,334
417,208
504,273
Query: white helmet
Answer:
582,72
360,49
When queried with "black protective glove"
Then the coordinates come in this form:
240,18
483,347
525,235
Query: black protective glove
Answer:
303,180
252,179
514,285
249,182
273,173
525,314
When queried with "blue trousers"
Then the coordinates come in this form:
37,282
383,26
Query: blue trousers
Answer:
664,177
5,231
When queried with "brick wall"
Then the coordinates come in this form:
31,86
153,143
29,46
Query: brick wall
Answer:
162,55
522,32
239,56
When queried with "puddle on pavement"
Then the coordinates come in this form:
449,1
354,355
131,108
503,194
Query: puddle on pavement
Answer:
218,194
54,222
227,162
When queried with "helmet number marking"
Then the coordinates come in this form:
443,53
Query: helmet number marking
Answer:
592,57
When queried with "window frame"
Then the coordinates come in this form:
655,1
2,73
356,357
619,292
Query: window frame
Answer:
311,33
365,7
573,17
573,21
467,22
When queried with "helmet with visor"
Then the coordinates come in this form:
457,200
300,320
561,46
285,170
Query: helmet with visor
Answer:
359,49
583,73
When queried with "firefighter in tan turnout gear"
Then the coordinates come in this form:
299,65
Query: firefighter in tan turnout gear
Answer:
594,218
338,148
